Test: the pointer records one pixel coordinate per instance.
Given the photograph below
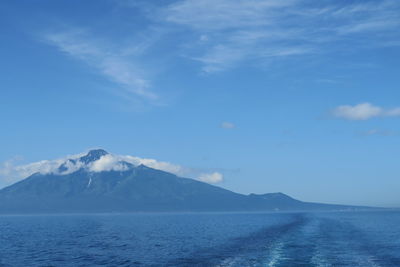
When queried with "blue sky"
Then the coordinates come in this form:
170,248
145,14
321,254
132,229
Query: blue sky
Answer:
295,96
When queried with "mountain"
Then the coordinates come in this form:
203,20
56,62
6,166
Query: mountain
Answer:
79,186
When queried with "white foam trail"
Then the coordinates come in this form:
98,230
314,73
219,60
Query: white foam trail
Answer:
339,251
318,259
276,253
228,262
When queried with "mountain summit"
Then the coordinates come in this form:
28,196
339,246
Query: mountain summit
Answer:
93,155
101,182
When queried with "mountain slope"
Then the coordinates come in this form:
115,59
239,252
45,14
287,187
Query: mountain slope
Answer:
132,188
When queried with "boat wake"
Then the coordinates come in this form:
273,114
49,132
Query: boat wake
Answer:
304,240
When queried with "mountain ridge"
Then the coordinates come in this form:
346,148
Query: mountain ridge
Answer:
133,188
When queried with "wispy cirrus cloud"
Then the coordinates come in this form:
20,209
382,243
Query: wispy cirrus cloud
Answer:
249,30
116,63
210,15
364,111
223,34
369,16
378,132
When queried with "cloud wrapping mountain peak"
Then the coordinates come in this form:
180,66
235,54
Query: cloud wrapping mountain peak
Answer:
96,160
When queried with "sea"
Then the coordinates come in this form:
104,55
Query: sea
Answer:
349,238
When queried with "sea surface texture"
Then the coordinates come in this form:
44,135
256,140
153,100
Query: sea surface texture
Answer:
206,239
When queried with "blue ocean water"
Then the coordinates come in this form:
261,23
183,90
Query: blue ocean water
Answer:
205,239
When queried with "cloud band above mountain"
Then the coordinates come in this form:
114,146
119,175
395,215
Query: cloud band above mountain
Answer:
11,172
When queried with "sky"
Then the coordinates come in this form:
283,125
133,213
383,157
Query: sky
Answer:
255,96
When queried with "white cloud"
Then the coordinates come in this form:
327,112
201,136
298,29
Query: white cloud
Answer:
393,112
108,162
364,111
369,17
227,125
115,63
211,178
221,34
378,132
222,14
10,172
152,163
259,30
